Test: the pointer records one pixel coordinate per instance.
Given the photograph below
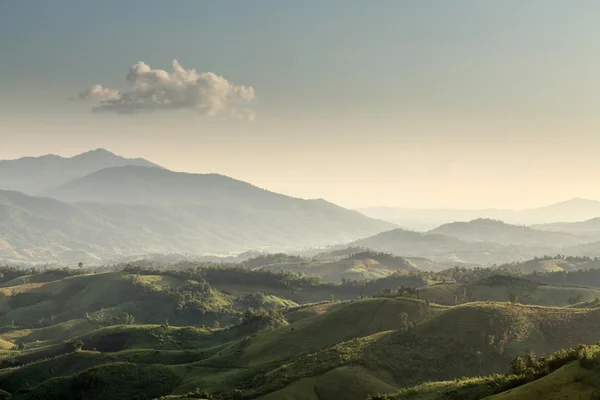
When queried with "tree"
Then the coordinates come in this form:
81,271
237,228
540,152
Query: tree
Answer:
80,265
518,366
530,359
21,346
75,346
514,297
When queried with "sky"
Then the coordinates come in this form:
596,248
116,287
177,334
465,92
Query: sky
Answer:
464,104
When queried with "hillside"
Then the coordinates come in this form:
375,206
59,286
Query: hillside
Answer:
36,229
555,264
357,266
239,334
568,374
34,175
441,248
488,230
508,288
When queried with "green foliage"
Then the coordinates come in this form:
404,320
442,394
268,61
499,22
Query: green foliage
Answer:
75,345
108,382
518,366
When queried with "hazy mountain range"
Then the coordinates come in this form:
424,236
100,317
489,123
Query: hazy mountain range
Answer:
572,210
480,241
142,208
99,206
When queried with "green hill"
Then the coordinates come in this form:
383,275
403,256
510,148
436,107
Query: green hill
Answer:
188,331
364,265
570,374
508,288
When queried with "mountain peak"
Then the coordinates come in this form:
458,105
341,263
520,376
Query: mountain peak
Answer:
35,175
97,152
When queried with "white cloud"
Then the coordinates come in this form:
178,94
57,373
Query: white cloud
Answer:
99,93
157,89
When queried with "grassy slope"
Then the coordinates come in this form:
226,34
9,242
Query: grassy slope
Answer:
570,382
108,382
348,382
447,345
529,293
361,346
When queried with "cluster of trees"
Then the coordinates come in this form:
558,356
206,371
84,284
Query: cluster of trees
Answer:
8,273
192,296
582,277
262,316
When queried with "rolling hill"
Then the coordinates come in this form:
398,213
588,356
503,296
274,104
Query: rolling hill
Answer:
488,230
34,175
88,341
357,266
442,249
502,288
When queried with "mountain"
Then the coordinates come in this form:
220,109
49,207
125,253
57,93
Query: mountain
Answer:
590,227
153,186
33,175
426,219
572,210
489,230
34,229
441,248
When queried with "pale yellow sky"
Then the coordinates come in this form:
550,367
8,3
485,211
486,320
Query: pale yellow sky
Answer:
414,162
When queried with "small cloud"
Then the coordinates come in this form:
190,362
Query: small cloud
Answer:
98,93
157,89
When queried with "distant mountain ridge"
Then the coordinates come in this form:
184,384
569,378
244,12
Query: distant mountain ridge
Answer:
41,230
151,186
489,230
471,242
34,175
573,210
